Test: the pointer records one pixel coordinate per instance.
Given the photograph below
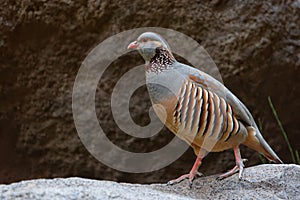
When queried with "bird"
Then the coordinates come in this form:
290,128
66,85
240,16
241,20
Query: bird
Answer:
197,108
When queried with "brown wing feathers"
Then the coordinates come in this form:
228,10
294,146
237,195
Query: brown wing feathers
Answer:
201,111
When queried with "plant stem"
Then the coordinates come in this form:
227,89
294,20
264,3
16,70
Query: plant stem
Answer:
297,157
282,130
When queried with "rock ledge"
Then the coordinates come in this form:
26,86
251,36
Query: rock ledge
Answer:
259,182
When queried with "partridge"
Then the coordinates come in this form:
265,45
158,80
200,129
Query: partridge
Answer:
197,108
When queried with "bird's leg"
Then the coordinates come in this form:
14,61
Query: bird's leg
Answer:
194,172
239,167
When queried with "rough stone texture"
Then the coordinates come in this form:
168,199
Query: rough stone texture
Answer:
42,44
259,182
79,188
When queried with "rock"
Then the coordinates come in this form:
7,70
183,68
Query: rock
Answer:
259,182
79,188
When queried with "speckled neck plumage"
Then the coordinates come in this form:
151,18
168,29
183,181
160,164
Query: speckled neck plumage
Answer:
162,60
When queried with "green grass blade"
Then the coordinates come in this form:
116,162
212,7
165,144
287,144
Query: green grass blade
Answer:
282,130
297,157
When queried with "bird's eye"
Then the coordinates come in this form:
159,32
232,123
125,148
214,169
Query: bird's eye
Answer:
143,40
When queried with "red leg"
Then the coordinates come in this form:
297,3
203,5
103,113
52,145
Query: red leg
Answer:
239,167
191,176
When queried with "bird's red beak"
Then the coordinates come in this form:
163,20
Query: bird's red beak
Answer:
133,45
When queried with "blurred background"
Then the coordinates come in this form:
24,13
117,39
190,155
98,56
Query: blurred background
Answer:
255,44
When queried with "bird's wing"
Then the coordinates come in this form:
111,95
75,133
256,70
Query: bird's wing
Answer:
208,82
256,140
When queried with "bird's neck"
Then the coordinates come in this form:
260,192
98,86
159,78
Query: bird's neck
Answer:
161,61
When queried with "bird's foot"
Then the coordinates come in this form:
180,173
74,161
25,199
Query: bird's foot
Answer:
191,176
239,167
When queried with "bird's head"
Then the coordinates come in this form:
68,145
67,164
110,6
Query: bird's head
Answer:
147,43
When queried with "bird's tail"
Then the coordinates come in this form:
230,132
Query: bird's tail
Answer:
256,142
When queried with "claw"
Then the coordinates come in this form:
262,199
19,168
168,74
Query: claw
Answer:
191,185
190,177
239,167
199,174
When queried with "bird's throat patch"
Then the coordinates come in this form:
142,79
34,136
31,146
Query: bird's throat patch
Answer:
162,60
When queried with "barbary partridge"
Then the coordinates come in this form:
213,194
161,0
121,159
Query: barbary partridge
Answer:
197,108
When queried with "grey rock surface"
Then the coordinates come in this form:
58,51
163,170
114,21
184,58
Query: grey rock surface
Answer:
259,182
